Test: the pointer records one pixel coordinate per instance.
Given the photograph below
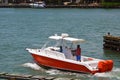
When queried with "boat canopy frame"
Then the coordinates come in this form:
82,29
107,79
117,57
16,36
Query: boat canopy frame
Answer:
67,38
64,40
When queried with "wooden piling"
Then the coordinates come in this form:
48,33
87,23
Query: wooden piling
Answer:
111,42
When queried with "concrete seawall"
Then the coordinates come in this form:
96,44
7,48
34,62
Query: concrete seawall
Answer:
53,6
14,6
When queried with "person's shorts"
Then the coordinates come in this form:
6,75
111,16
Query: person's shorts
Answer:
78,58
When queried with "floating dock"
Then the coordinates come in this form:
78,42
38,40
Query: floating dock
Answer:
111,42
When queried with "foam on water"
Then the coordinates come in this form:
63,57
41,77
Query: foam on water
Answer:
32,66
53,72
115,73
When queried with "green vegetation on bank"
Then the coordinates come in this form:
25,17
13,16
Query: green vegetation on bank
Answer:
110,4
97,3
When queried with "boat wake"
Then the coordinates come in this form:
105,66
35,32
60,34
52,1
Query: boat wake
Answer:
115,73
53,72
32,66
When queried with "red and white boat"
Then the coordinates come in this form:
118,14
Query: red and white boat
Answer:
50,56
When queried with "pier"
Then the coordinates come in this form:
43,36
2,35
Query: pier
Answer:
111,42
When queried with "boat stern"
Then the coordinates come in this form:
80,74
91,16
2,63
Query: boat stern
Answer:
99,66
105,65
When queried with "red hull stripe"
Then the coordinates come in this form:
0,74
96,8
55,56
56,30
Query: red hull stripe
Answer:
54,63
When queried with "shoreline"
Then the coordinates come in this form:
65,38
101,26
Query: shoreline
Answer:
56,6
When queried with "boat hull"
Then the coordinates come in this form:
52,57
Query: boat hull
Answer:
59,64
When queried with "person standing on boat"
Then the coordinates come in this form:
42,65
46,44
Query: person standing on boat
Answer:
65,51
78,53
61,50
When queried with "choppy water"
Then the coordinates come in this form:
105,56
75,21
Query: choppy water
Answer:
22,28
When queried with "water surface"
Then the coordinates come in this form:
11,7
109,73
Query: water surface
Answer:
21,28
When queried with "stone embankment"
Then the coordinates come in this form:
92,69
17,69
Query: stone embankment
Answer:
7,76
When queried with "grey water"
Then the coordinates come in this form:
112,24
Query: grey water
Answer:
22,28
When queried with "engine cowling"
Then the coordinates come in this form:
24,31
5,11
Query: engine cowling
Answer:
105,65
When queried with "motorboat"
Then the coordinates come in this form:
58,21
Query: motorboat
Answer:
50,55
37,4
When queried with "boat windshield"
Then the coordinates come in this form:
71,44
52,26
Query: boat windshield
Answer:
52,43
61,42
